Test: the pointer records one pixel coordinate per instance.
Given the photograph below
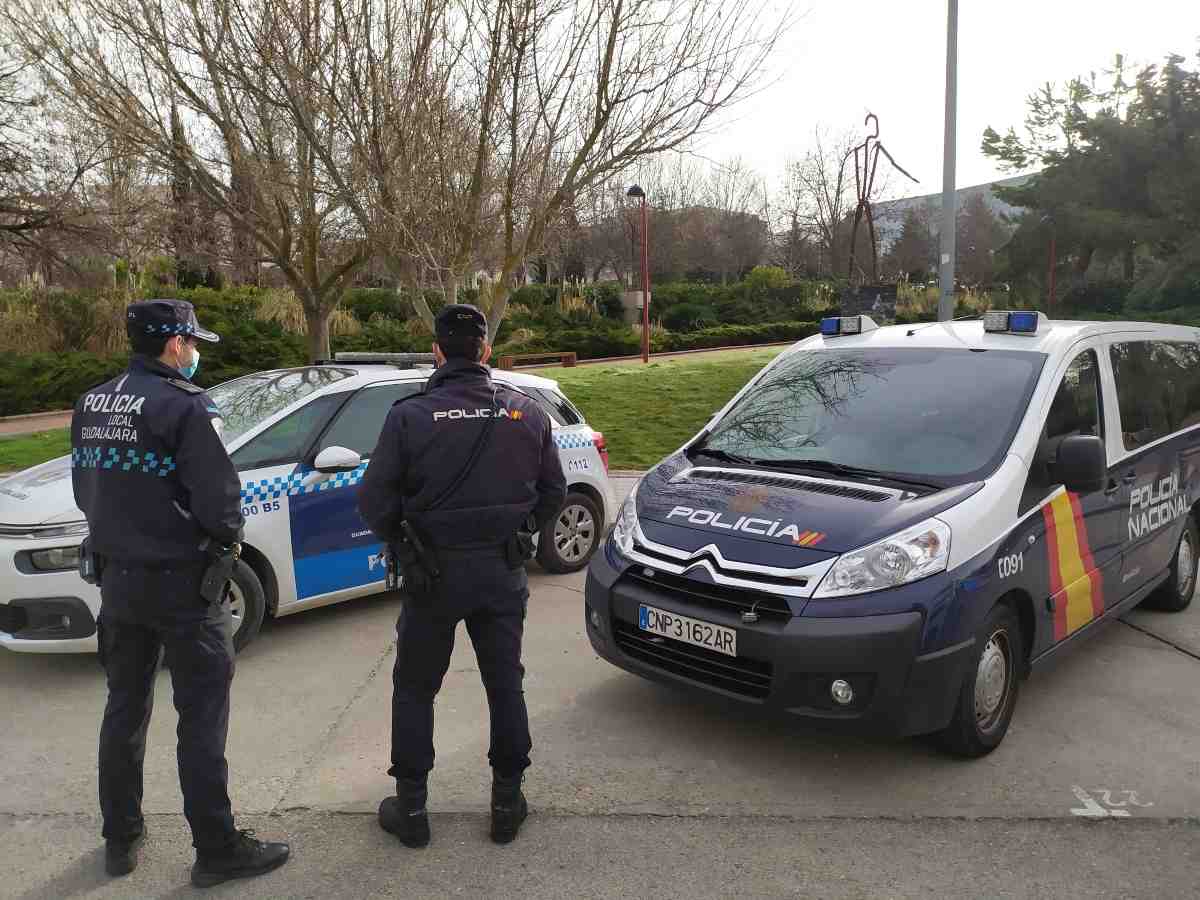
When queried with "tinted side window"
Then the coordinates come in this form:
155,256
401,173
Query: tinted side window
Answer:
557,406
1074,410
358,425
287,439
1158,389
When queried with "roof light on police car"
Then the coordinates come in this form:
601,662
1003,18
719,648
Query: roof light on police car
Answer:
832,326
1005,321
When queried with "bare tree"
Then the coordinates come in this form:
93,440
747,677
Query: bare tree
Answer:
819,194
121,65
475,124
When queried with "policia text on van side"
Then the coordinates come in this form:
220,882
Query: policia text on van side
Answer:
888,528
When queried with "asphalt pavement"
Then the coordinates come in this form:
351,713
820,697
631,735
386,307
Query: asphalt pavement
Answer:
637,789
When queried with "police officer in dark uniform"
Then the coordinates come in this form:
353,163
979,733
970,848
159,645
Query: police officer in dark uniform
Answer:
462,476
161,498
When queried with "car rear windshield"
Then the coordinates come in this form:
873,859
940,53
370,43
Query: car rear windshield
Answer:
940,416
245,402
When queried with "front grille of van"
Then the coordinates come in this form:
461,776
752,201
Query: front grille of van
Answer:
679,588
740,675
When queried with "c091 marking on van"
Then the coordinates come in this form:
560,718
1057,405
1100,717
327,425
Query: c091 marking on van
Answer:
1011,565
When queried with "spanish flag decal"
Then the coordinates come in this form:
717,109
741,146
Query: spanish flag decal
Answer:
1075,583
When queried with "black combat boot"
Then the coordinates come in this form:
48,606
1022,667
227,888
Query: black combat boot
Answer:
121,857
245,857
404,815
509,808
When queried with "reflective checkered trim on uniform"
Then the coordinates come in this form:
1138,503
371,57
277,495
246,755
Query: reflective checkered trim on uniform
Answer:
181,328
293,485
572,440
126,459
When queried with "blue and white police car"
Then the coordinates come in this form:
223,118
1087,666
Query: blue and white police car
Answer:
888,528
301,439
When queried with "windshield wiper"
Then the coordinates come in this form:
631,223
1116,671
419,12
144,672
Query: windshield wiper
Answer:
824,465
724,456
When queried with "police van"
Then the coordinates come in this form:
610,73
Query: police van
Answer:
889,527
301,439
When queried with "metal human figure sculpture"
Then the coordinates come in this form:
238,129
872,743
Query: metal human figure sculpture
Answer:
866,162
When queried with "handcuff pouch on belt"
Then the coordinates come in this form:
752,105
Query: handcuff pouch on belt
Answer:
518,549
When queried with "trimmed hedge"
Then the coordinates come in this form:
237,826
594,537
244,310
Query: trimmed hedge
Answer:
50,381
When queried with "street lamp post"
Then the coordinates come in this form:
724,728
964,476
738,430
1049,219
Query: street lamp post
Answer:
638,193
1053,258
949,194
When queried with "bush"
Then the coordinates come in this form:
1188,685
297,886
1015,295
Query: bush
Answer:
607,297
737,335
48,381
689,317
1107,296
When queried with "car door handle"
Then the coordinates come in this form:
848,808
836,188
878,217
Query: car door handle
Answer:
1129,477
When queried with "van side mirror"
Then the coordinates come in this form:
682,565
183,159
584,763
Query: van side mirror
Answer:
337,459
1082,466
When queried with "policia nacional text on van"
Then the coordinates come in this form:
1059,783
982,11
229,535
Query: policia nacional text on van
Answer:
464,475
161,499
888,528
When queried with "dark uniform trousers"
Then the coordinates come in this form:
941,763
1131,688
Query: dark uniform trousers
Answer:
143,612
491,598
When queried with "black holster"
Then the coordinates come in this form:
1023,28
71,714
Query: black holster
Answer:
414,561
91,563
218,574
518,549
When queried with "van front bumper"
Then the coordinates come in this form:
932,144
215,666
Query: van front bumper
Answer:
786,663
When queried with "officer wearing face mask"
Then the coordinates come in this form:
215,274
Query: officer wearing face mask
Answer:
162,501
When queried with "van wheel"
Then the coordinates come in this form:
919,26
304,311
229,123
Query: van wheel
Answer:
1176,592
989,690
247,604
569,541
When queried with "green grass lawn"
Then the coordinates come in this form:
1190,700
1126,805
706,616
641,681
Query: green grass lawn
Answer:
25,450
647,411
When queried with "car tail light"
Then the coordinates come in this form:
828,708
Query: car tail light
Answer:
601,447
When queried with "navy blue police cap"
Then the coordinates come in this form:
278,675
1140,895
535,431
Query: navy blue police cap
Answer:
460,320
165,318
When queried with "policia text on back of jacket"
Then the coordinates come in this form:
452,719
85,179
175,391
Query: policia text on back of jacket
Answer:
462,475
161,499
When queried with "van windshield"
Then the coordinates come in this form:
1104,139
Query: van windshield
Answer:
938,417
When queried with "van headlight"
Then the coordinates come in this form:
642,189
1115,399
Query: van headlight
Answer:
57,559
911,555
625,530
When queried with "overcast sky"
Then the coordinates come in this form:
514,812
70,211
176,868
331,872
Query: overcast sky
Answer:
845,57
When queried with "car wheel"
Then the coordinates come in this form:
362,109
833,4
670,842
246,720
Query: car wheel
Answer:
569,541
989,690
247,605
1176,592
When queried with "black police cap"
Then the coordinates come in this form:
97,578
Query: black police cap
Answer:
165,318
460,320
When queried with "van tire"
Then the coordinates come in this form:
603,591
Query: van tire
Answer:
251,601
998,653
1175,594
576,509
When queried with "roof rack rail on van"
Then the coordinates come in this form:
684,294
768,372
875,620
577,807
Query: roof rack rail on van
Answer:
399,360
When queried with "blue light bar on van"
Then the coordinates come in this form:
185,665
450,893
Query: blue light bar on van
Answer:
1003,321
835,325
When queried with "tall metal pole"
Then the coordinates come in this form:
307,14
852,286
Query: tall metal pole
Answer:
645,286
949,195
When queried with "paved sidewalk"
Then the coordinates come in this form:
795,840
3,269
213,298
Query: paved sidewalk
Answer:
28,424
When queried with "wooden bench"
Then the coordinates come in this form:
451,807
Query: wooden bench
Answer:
567,360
